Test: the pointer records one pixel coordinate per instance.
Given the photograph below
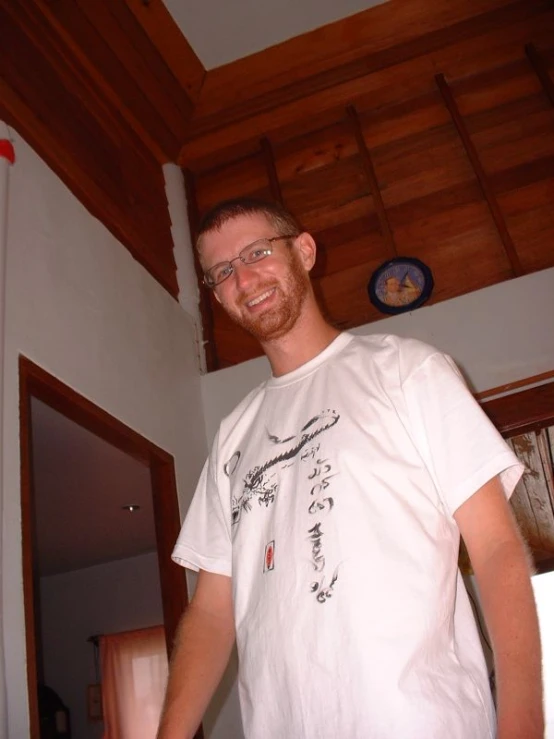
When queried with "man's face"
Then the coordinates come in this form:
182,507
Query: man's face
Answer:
265,298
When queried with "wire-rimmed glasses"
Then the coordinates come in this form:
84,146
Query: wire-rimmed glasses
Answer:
254,252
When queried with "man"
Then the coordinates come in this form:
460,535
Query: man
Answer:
325,527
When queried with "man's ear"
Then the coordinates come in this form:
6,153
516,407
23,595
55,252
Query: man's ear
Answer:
306,249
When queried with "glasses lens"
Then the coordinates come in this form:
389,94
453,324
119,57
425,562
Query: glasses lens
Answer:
218,273
255,252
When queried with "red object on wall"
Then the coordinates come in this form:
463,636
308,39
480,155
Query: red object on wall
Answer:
7,150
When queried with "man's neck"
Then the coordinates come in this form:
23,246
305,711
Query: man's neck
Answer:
304,342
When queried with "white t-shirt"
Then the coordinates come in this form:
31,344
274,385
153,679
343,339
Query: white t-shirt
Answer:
328,498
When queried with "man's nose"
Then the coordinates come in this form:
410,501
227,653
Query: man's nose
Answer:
242,273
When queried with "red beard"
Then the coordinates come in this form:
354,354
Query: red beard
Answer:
278,320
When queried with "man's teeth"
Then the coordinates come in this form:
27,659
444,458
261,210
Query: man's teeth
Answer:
259,299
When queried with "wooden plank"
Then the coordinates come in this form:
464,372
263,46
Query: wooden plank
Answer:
481,176
117,25
520,502
344,183
502,389
369,171
312,150
347,210
518,109
371,90
421,165
450,202
532,227
521,412
541,71
352,253
416,118
532,502
99,203
269,161
75,71
95,146
516,143
243,176
546,453
494,88
522,176
168,39
388,33
82,37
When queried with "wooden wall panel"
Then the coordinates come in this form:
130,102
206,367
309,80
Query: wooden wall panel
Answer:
246,176
87,88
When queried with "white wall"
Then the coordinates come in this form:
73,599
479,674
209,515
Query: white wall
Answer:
106,599
80,306
496,335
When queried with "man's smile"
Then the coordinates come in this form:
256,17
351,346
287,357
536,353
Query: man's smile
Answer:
260,298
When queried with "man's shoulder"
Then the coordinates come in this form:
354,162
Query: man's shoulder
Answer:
391,348
245,409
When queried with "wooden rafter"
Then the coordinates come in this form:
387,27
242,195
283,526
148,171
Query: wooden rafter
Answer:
373,183
481,175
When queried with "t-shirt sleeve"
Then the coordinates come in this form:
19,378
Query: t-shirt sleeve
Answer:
459,444
204,542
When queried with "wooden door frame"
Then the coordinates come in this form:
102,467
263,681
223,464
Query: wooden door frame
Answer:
35,382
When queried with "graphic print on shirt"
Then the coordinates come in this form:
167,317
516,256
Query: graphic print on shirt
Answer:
269,556
263,480
321,504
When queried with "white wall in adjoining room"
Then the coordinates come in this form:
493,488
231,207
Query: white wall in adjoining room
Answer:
105,599
81,307
497,335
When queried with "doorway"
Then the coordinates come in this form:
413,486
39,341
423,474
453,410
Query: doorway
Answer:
46,402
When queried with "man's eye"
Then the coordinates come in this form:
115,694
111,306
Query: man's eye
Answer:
258,253
219,273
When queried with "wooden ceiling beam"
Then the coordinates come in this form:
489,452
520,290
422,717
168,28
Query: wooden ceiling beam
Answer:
482,178
168,39
369,171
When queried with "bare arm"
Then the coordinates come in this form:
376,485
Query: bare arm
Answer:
501,565
204,641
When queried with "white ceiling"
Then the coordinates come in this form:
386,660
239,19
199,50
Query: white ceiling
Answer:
80,485
222,31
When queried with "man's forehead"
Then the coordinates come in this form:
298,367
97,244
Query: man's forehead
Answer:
235,233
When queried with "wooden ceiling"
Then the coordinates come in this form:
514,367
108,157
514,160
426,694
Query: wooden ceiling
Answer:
420,128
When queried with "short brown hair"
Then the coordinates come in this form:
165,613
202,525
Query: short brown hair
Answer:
277,215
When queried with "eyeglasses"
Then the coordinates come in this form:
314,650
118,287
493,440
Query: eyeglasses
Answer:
254,252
